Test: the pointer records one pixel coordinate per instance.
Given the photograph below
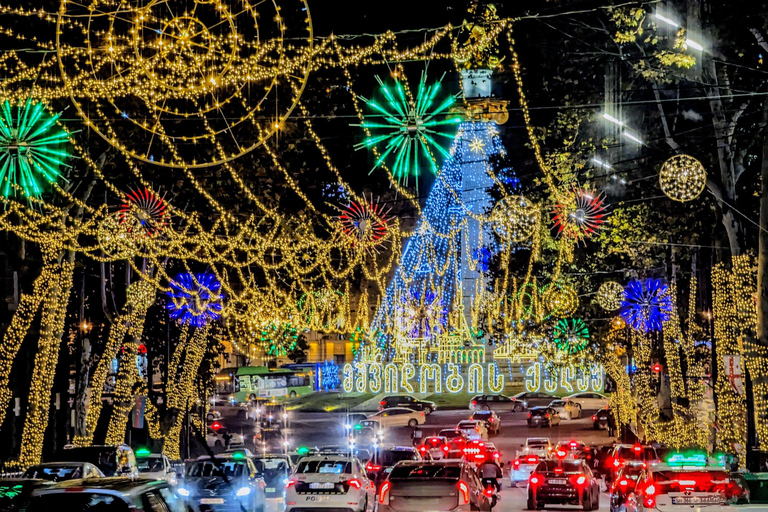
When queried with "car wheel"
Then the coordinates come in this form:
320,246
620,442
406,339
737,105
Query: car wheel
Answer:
292,394
518,408
210,417
485,407
586,504
596,503
413,423
531,505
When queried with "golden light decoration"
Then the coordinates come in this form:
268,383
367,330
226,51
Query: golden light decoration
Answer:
560,300
515,218
682,178
184,84
116,238
610,295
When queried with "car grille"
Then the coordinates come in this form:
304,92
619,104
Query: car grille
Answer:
338,488
555,492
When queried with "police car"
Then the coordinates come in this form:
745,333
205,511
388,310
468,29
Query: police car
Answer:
332,481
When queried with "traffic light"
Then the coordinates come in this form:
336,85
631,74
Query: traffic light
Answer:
216,426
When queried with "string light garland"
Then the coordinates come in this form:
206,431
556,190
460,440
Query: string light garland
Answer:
195,299
560,300
610,295
646,305
682,178
571,335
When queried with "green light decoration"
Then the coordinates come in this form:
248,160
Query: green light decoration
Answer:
410,131
32,148
279,339
571,335
143,452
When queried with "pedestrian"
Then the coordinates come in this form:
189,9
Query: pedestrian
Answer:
611,424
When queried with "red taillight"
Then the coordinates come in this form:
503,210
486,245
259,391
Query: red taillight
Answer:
529,415
496,455
474,403
532,459
384,493
422,448
573,444
637,448
446,449
623,483
581,480
488,491
560,453
546,415
594,418
616,463
516,463
534,480
463,493
354,483
289,483
650,490
435,440
372,467
382,403
492,420
650,502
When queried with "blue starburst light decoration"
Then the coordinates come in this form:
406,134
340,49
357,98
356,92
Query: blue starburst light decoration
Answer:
646,305
195,300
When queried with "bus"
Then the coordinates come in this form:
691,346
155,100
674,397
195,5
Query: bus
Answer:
249,383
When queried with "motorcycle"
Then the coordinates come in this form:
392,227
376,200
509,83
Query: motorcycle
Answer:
491,489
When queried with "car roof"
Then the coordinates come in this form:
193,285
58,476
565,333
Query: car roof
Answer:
666,467
328,456
442,462
401,449
537,440
111,485
61,463
397,409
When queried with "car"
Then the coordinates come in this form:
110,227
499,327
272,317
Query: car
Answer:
739,488
351,421
563,482
473,429
491,419
399,417
223,483
543,417
457,440
60,471
498,403
674,486
540,446
408,402
272,415
155,466
528,400
275,470
623,484
600,419
623,453
115,494
435,447
379,468
566,409
218,435
335,482
450,485
111,460
213,415
493,453
571,450
522,467
590,401
269,439
14,492
477,451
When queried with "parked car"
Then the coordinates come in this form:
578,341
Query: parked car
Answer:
491,419
379,468
111,460
407,401
399,417
106,495
543,417
590,401
473,429
498,403
60,471
155,466
528,400
432,485
329,482
222,484
566,409
563,482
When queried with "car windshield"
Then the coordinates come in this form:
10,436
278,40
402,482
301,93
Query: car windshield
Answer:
208,468
150,464
697,481
636,453
450,433
336,467
464,425
569,466
270,463
53,473
392,457
557,403
77,502
102,457
426,471
481,415
537,446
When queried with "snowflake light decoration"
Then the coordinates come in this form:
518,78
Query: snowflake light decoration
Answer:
279,339
329,372
580,214
195,300
32,149
145,211
571,335
365,225
407,136
646,305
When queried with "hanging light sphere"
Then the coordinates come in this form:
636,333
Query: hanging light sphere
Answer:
560,300
610,295
682,178
514,218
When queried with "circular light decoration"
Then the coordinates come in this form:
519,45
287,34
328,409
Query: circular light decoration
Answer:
579,214
195,300
610,295
32,149
571,335
407,134
365,225
560,300
115,240
145,211
682,178
646,305
184,84
279,339
515,218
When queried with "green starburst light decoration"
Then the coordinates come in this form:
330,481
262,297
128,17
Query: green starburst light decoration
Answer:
412,130
571,335
279,339
32,149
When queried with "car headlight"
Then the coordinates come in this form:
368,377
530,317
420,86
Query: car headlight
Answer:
183,492
243,491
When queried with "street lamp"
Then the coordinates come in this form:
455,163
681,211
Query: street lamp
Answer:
612,119
693,44
666,20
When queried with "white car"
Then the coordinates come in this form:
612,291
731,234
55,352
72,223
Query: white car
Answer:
217,439
60,471
539,446
398,417
329,482
155,466
566,409
474,429
592,401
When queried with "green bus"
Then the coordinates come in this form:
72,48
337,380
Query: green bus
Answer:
249,383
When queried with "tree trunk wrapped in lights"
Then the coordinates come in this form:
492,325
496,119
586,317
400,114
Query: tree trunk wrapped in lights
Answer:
649,412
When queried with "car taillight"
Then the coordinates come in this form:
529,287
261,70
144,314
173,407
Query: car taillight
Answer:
492,420
474,403
372,467
560,453
616,463
463,493
637,448
354,483
496,455
422,449
529,415
446,449
573,444
594,418
384,493
623,482
532,459
516,463
488,491
289,483
546,415
558,470
534,480
581,480
650,490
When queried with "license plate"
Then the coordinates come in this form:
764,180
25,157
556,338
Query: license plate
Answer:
696,500
557,481
322,485
269,489
212,501
316,499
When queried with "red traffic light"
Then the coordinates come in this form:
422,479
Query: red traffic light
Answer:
216,426
657,367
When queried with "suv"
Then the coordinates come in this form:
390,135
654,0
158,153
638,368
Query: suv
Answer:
408,402
563,482
498,403
623,453
543,417
116,494
432,485
491,419
336,482
223,483
528,400
379,468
